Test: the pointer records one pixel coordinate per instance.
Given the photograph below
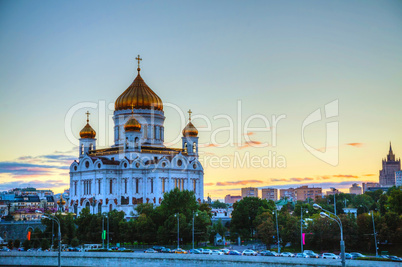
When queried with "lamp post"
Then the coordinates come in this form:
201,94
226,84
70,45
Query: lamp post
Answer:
103,229
107,216
178,229
277,230
334,189
339,222
54,218
194,214
375,234
301,228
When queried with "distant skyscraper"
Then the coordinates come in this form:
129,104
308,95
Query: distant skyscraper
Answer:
249,192
389,166
232,199
398,178
269,194
355,189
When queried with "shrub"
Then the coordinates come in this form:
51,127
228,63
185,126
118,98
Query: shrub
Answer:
17,243
372,259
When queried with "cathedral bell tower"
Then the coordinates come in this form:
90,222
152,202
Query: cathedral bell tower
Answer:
190,138
87,140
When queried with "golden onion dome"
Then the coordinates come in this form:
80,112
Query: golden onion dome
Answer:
87,131
132,125
138,95
190,129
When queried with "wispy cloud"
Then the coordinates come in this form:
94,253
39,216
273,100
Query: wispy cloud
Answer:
369,174
355,144
20,169
293,179
208,184
47,184
243,182
345,176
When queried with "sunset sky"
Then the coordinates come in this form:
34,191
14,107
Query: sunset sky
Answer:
230,62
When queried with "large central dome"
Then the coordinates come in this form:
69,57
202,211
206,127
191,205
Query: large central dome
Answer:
138,96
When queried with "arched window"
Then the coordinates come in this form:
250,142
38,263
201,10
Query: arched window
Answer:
99,208
136,142
110,207
126,142
82,149
91,147
87,205
194,147
185,147
145,131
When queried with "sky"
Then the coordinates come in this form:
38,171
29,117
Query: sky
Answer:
283,93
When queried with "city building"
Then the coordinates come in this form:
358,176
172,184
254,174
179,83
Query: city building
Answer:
138,168
288,193
304,192
332,192
355,189
269,194
367,186
231,199
398,178
390,165
249,192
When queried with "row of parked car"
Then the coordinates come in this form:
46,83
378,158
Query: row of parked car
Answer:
250,252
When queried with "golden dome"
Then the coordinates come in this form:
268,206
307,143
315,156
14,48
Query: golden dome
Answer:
138,95
190,129
132,125
87,131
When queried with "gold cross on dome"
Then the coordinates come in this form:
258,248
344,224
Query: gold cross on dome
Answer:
189,114
138,59
87,115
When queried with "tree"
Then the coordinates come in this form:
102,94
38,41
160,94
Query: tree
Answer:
395,201
245,212
10,244
45,244
266,228
75,242
219,205
26,244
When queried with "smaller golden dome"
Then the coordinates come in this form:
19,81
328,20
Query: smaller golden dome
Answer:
87,131
132,125
190,129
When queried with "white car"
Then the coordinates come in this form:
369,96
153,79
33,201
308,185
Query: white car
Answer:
287,254
329,256
217,252
206,251
249,252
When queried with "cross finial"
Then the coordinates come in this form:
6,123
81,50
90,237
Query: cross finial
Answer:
87,115
138,59
189,114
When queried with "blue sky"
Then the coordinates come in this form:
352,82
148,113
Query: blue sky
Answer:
276,57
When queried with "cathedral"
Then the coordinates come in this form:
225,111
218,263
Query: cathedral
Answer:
138,168
390,165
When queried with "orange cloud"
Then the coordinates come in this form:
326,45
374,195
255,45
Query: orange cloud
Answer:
345,176
243,182
293,179
355,144
208,184
370,174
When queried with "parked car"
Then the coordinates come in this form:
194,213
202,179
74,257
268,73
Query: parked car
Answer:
180,251
194,251
206,251
264,252
249,252
394,258
165,250
150,250
217,252
74,249
356,255
5,249
329,256
21,249
225,251
234,252
287,254
348,256
158,248
311,254
274,254
302,255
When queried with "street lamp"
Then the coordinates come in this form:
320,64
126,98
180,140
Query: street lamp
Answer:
277,230
375,234
194,214
301,228
339,222
54,218
178,229
107,217
334,189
